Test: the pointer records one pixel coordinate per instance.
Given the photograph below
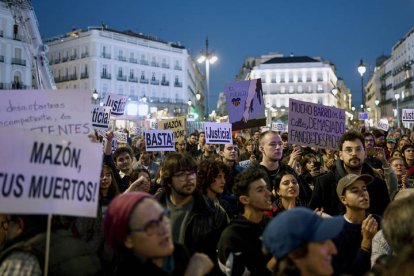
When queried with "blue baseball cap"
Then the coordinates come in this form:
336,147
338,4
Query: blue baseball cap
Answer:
296,226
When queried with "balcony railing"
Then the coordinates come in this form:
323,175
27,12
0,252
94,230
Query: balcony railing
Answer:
155,82
121,78
106,55
406,83
178,67
105,75
18,61
1,33
84,75
17,37
73,57
121,58
132,79
133,60
64,78
165,83
64,59
56,61
1,58
84,55
155,64
178,84
73,77
165,65
143,62
143,80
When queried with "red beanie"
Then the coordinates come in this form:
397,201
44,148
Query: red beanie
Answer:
116,225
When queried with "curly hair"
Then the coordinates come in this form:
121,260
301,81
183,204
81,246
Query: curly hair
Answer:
120,150
245,178
173,163
351,135
207,172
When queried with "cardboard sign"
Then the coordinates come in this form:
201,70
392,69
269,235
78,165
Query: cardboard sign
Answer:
245,104
382,124
57,112
47,174
159,140
101,116
278,126
117,104
177,125
218,133
362,116
315,125
408,115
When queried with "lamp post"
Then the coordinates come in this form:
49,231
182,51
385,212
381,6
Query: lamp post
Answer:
208,58
376,111
361,70
95,96
397,97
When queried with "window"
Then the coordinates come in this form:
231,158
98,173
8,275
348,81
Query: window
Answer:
120,72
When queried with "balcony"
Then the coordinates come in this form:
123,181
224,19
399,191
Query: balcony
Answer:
178,67
1,58
106,55
121,58
84,55
155,64
132,79
84,75
18,61
143,62
165,83
73,57
64,78
178,84
155,82
57,79
105,75
406,83
73,77
64,59
144,80
165,65
1,33
121,78
56,61
17,37
133,60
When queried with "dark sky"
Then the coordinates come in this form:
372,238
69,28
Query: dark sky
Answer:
342,31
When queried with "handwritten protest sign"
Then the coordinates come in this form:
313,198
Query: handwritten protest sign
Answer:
382,124
135,131
408,115
58,112
177,125
159,140
245,104
101,116
218,133
48,174
278,126
315,125
121,137
117,104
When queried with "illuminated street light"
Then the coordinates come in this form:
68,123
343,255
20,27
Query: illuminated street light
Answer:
208,58
189,102
361,70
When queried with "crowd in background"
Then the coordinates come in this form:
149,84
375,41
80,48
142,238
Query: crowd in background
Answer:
258,206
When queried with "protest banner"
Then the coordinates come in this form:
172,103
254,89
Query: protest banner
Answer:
218,133
245,104
101,116
48,174
135,131
362,116
315,125
159,140
57,112
177,125
408,115
382,124
117,104
121,137
276,126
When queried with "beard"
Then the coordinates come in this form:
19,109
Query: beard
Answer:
353,165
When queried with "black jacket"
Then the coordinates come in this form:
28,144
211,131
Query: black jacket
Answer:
240,248
324,194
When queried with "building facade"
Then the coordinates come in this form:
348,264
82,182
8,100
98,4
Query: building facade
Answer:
126,63
15,57
395,77
297,77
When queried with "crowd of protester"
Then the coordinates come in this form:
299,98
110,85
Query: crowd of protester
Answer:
259,206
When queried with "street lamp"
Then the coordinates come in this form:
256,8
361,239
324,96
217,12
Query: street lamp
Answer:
397,97
376,112
361,70
207,57
189,102
144,99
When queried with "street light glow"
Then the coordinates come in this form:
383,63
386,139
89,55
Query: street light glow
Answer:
201,59
213,59
362,68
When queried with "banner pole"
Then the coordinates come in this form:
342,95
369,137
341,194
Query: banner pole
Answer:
47,252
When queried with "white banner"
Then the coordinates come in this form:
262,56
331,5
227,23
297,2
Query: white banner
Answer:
159,140
46,174
101,116
218,133
57,112
382,124
117,104
408,115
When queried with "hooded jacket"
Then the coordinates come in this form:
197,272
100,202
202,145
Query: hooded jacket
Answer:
324,194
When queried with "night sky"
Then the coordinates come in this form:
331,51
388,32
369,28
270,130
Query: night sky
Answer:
342,31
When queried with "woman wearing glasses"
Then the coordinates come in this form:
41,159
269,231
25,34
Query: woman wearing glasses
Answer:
138,228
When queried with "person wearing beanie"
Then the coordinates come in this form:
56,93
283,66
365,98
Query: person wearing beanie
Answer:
354,243
300,242
138,228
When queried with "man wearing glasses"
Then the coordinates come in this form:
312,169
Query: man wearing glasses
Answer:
195,221
352,157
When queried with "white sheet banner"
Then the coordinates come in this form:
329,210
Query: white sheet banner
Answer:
315,125
45,174
159,140
57,112
218,133
117,104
